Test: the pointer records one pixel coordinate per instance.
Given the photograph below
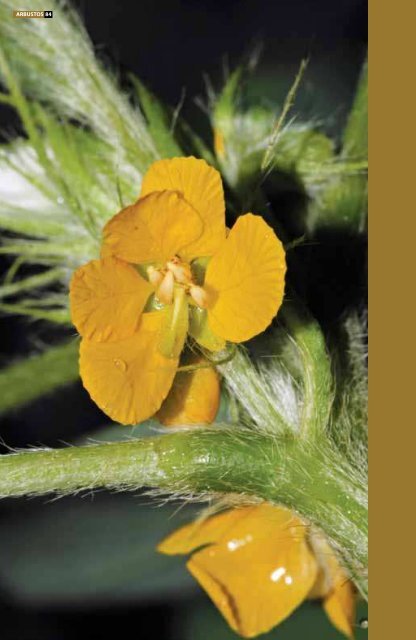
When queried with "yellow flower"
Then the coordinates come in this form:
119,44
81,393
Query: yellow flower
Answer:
169,269
259,563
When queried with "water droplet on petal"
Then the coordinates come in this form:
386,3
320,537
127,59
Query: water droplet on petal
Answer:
277,574
363,623
120,364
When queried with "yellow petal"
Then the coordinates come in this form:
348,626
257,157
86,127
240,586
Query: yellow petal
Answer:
258,570
201,532
107,298
340,607
256,587
264,519
333,585
245,280
128,379
194,397
202,188
154,229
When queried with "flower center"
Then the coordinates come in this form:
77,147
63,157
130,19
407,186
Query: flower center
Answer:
176,273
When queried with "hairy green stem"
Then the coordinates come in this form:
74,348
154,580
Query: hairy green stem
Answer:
317,378
311,479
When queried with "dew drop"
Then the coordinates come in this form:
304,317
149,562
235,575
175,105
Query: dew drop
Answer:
363,623
60,200
120,364
277,574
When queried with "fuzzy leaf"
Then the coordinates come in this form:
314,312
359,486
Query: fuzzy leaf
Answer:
47,55
24,381
355,139
342,204
159,119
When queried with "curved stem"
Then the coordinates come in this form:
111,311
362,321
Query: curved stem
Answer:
311,479
317,378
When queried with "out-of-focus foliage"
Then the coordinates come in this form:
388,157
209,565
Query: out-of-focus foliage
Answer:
38,375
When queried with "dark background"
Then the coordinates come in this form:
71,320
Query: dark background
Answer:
48,587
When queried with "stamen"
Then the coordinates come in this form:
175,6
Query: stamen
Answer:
154,275
165,290
199,296
180,270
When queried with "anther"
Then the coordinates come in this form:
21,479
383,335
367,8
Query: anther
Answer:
155,276
180,270
199,296
165,290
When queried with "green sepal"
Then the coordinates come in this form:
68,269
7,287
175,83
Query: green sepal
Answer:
153,304
198,268
200,330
